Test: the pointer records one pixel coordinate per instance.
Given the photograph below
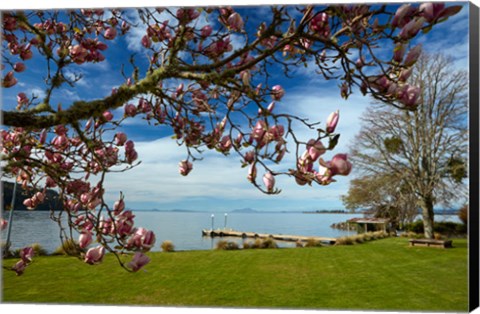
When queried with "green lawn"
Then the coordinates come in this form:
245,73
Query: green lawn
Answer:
384,274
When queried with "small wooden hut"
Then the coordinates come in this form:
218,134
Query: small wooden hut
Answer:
374,223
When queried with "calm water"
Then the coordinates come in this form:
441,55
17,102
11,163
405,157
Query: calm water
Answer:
185,229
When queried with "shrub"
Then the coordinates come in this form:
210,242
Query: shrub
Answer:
360,238
445,228
39,250
257,244
381,234
269,243
227,245
313,243
69,247
344,241
167,246
247,245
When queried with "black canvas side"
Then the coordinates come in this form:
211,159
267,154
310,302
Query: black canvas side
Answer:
473,220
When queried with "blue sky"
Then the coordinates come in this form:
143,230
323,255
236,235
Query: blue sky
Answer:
218,183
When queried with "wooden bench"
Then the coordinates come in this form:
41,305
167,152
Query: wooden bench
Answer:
431,242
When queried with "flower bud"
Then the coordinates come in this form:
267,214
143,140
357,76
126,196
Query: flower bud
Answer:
110,33
332,121
235,22
85,239
9,80
269,181
206,31
94,255
413,55
184,167
120,138
277,92
130,110
19,67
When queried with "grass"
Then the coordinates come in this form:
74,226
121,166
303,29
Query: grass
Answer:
384,274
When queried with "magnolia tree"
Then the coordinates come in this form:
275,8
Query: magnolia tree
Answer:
210,95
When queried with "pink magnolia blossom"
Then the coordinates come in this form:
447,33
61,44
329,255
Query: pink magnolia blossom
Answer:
130,110
78,54
225,143
110,33
146,41
339,165
431,10
187,14
9,80
95,255
138,261
315,149
43,136
107,115
19,267
409,95
130,152
235,22
412,28
26,254
405,74
120,138
332,121
413,55
320,25
269,181
124,224
142,239
19,67
277,92
22,99
403,15
85,239
184,167
249,156
26,54
259,130
275,133
118,207
206,31
60,142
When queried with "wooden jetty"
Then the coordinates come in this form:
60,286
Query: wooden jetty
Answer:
279,237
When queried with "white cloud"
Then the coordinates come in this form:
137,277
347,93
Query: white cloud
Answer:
38,92
157,179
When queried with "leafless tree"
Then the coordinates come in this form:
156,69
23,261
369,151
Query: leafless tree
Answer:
426,148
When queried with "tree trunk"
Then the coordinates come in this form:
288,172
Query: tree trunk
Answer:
426,203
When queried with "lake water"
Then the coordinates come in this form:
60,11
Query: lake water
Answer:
184,229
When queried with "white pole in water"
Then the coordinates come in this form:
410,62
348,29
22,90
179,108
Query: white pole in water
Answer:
213,218
225,226
10,219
